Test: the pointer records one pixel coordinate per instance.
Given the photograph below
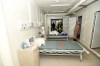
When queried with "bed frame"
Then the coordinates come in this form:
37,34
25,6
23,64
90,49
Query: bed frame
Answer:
61,48
57,37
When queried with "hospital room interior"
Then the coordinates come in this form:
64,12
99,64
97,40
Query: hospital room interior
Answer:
49,32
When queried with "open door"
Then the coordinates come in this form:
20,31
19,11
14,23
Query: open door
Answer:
80,22
95,41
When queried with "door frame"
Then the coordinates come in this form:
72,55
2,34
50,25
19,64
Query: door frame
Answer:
93,28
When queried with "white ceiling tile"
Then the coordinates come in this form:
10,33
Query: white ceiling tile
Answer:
87,2
45,5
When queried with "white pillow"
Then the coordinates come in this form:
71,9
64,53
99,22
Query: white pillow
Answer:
39,41
55,32
51,32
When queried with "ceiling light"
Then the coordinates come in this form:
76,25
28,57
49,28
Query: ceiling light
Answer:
60,5
58,11
57,1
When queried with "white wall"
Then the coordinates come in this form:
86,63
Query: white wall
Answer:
87,22
65,21
5,50
15,11
35,13
43,18
72,23
1,61
66,24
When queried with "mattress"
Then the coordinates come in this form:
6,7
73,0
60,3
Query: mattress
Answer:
61,37
61,45
57,35
61,48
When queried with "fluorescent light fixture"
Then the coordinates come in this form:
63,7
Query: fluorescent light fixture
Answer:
58,11
60,5
57,1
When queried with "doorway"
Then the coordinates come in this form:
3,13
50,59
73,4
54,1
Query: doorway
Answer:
79,31
95,40
57,25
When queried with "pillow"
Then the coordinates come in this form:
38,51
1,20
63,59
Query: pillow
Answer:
55,32
31,40
51,32
24,45
39,41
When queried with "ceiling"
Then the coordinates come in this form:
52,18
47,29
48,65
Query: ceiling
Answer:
60,6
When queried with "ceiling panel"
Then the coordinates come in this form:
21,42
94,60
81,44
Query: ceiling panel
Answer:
46,5
76,9
88,2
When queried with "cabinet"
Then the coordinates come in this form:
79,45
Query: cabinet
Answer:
29,56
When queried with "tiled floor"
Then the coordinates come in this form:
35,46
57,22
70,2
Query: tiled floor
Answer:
97,50
88,60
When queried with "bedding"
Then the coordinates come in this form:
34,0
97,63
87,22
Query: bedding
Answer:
60,36
39,41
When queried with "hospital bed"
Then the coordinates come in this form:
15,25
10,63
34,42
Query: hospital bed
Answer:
57,37
61,48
